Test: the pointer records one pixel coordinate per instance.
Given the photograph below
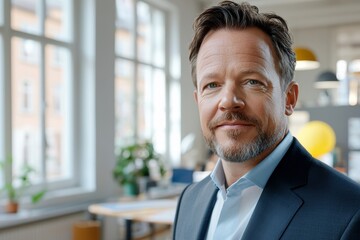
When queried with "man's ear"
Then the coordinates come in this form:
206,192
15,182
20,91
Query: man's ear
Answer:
195,96
292,93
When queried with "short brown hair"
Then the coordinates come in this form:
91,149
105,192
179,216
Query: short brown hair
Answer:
231,15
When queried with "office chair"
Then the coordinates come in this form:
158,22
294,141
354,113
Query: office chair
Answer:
182,175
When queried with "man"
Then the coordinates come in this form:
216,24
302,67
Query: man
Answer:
265,184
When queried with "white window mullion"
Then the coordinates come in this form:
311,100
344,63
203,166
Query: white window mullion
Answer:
169,116
5,90
6,95
169,86
40,38
136,67
152,83
42,99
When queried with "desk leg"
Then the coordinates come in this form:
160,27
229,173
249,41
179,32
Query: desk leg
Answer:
93,217
152,231
128,229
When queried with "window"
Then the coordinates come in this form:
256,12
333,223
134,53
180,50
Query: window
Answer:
142,79
56,85
40,58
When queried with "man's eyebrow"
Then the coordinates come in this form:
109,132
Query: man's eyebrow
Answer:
210,75
241,72
206,76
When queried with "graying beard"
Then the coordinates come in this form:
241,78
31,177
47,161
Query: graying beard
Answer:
253,149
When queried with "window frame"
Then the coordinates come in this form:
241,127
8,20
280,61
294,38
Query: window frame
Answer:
63,191
44,41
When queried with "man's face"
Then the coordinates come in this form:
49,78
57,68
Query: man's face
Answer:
241,103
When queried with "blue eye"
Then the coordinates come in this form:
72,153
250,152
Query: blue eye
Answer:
254,82
212,85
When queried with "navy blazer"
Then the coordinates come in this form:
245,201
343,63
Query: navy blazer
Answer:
303,199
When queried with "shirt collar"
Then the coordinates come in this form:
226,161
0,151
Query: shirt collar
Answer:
260,174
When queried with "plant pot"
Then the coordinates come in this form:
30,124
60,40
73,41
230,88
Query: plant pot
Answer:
11,207
143,184
130,189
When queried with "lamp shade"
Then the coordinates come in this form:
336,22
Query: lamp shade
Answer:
326,79
305,59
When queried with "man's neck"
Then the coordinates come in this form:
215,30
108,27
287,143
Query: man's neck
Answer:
235,170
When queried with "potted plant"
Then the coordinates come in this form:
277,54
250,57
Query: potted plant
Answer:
135,162
18,186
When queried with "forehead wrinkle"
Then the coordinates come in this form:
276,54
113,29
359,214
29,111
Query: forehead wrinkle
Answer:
215,72
208,66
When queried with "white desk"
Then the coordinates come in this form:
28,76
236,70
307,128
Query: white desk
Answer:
151,211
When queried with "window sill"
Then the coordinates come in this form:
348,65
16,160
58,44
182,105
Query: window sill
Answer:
56,204
34,215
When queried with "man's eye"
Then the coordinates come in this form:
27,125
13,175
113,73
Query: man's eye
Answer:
254,82
212,85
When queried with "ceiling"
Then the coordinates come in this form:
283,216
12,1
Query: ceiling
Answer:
308,13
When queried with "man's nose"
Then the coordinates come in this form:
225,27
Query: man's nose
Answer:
232,99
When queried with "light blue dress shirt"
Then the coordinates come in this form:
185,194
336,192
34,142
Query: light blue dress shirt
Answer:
235,205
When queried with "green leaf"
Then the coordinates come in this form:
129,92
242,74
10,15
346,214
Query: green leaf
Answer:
37,197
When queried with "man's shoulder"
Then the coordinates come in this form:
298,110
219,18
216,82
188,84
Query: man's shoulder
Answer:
202,188
314,178
327,176
326,188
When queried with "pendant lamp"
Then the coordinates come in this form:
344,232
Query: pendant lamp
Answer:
305,59
326,80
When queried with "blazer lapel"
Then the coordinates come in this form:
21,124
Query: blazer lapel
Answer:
272,215
194,222
278,203
204,209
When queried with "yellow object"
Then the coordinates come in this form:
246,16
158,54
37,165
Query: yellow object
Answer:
305,59
317,137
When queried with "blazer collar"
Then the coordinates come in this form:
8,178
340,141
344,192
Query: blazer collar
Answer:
278,202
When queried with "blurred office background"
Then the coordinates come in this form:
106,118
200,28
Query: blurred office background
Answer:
80,79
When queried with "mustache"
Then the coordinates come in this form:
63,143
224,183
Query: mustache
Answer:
231,116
